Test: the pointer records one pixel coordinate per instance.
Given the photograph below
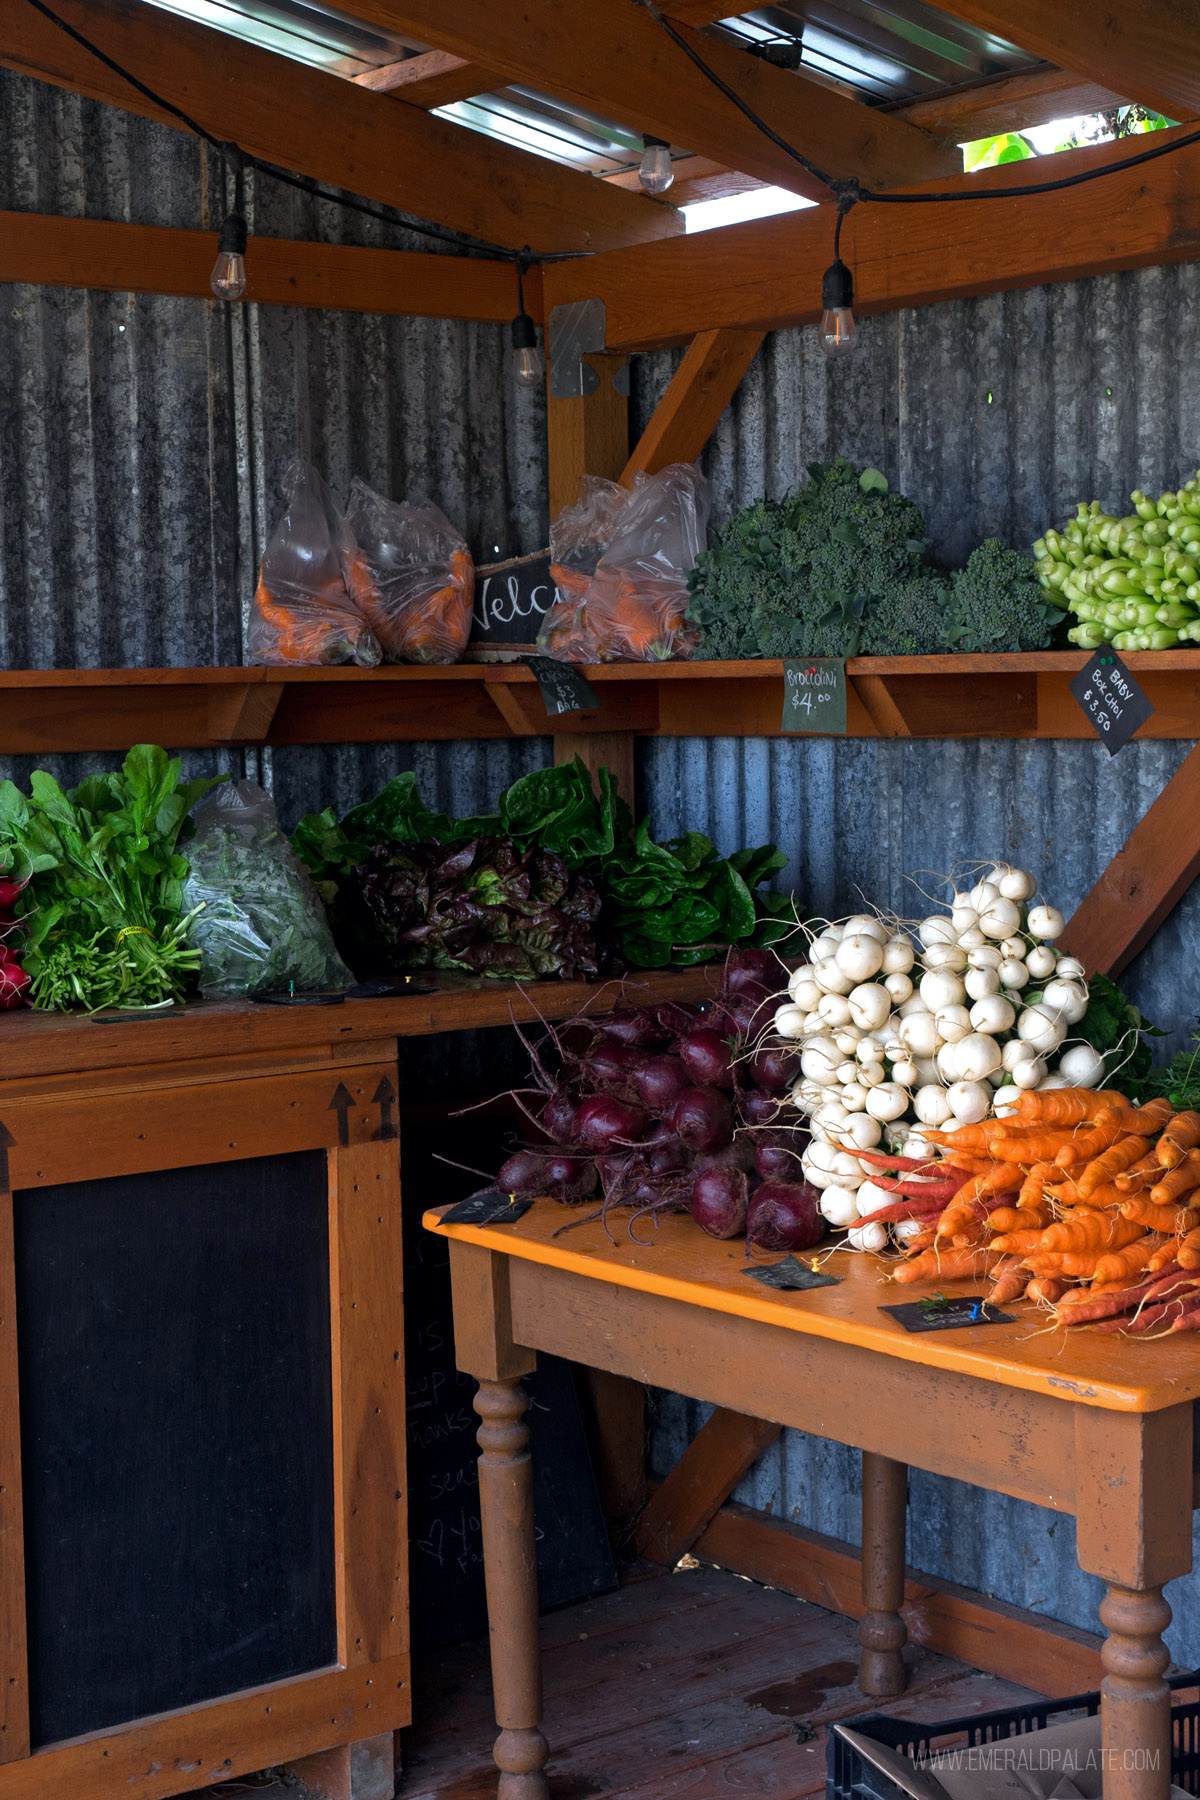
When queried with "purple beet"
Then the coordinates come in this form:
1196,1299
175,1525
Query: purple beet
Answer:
738,1155
758,1107
777,1154
775,1069
570,1178
605,1120
611,1065
703,1118
659,1081
785,1215
639,1029
718,1202
704,1053
558,1118
524,1173
747,969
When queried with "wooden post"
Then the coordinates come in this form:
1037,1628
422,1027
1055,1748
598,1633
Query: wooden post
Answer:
588,435
882,1632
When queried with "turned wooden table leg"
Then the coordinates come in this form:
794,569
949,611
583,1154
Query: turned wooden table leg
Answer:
882,1632
1133,1511
510,1568
1136,1710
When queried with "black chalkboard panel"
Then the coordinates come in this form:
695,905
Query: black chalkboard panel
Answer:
445,1546
176,1437
511,600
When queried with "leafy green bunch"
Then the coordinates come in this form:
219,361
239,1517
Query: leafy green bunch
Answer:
838,569
103,911
662,903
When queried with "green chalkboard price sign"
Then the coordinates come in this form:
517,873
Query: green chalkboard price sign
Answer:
814,696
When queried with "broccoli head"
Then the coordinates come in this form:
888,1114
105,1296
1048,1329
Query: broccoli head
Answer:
909,619
997,603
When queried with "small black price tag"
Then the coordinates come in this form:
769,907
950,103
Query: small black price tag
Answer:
790,1274
814,696
938,1314
489,1208
1114,703
563,688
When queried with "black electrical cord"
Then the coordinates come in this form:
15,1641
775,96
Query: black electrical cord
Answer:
850,193
239,160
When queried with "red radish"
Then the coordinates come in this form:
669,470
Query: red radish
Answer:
659,1081
605,1120
775,1069
13,983
785,1215
718,1202
705,1056
7,955
703,1118
558,1118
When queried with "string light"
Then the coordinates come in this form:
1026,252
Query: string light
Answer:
838,334
528,367
656,171
228,279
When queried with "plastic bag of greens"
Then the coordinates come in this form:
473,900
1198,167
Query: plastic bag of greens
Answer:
416,580
263,927
308,602
633,608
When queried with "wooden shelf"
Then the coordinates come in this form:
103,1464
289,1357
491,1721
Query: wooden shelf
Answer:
38,1044
916,696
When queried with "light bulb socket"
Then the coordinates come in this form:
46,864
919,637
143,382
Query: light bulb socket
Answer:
837,288
524,332
654,143
234,236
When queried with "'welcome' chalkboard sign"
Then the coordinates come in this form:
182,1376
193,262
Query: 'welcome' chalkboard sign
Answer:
511,600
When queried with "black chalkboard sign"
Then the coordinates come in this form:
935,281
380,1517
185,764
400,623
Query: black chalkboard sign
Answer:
511,600
814,696
445,1545
1113,702
562,687
176,1437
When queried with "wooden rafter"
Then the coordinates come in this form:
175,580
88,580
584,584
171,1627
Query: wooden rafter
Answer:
154,259
768,272
1145,881
322,126
610,57
1009,103
1151,53
435,78
700,390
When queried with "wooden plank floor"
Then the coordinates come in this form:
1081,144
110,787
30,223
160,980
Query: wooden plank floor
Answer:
688,1683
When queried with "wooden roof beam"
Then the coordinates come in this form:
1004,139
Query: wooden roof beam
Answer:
156,259
610,57
1009,103
324,127
767,273
433,78
1149,53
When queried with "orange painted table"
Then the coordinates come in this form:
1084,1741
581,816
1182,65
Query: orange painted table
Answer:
1084,1423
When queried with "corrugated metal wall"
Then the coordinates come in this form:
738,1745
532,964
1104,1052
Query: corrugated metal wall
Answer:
142,446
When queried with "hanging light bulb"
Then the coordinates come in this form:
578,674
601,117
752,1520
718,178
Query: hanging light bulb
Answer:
655,171
528,367
228,278
838,335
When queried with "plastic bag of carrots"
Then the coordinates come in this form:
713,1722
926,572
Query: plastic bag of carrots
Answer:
412,577
634,606
304,609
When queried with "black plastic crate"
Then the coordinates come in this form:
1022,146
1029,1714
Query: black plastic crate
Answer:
848,1779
